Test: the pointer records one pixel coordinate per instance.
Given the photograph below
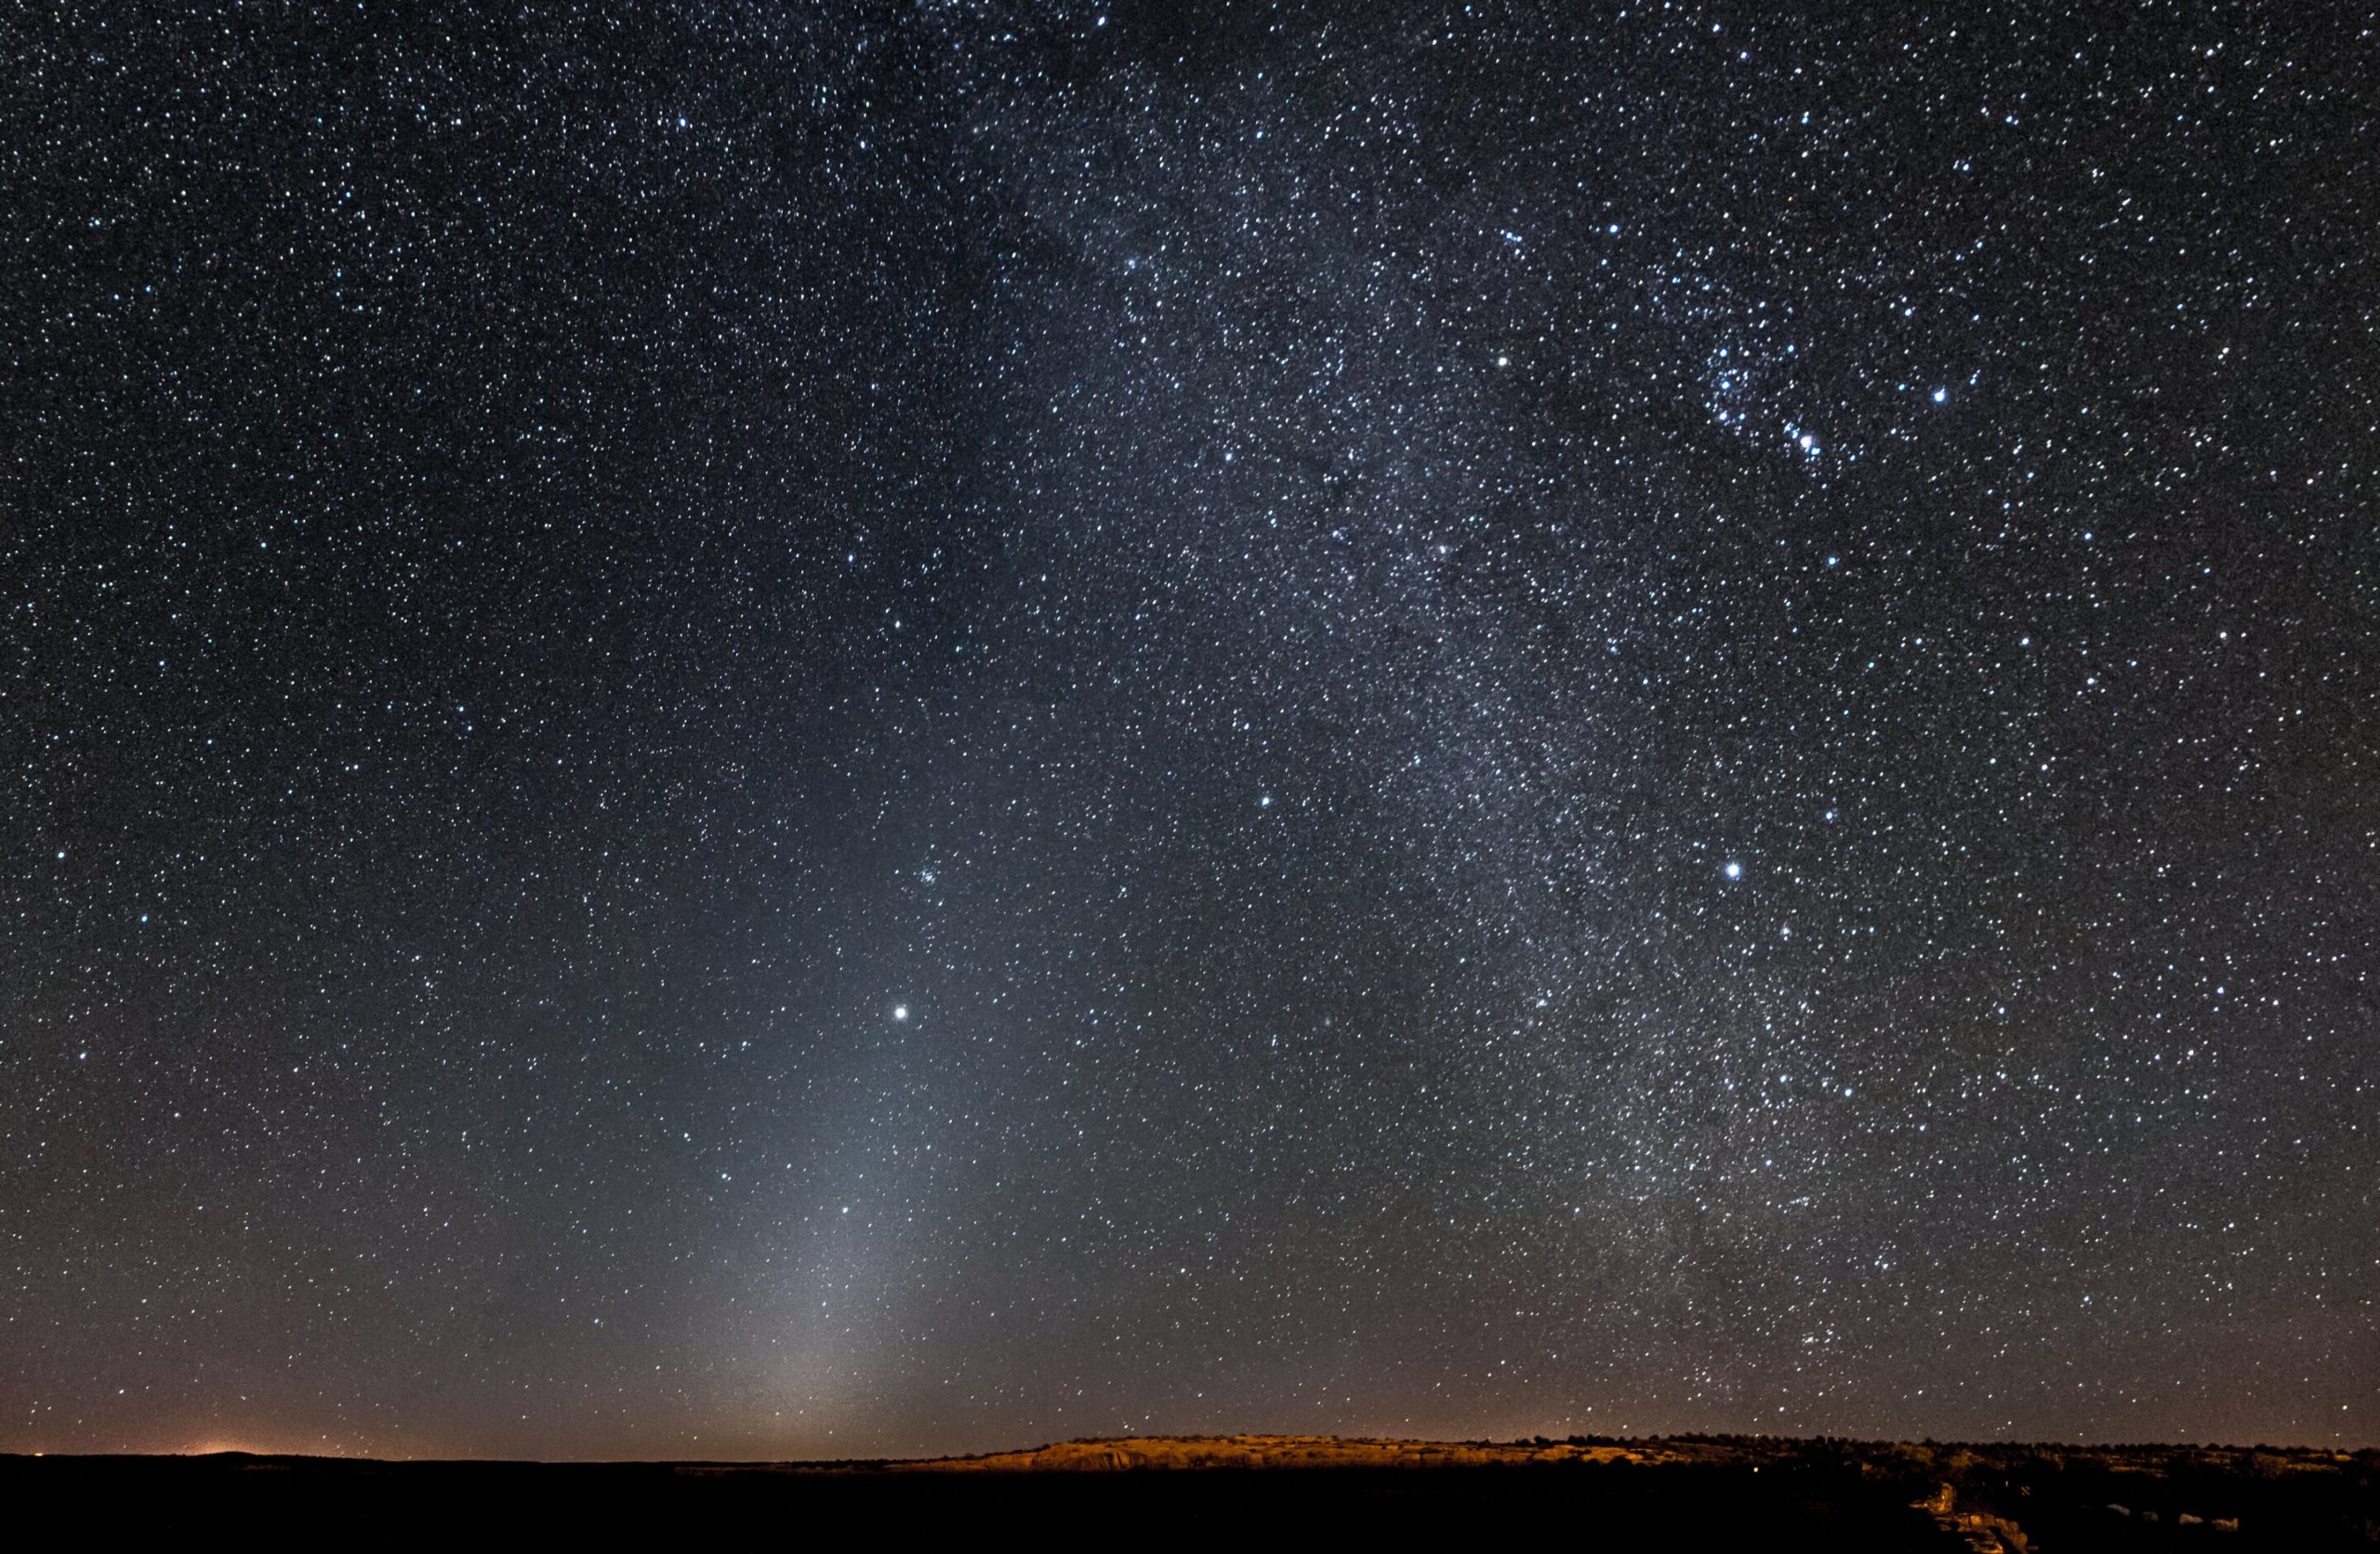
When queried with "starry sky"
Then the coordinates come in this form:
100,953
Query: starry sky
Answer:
758,730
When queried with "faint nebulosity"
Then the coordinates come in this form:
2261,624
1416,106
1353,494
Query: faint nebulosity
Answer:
782,730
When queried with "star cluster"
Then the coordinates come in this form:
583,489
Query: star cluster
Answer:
742,730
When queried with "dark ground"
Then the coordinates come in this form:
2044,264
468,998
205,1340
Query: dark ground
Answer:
1805,1496
1624,1508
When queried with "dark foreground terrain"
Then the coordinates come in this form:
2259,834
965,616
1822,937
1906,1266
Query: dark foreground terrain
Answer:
1727,1493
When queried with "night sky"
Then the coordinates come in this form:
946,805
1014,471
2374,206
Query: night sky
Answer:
766,731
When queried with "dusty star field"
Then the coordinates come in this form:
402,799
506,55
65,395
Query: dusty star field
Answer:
788,730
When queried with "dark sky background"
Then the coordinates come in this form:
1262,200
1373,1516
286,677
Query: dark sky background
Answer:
750,730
